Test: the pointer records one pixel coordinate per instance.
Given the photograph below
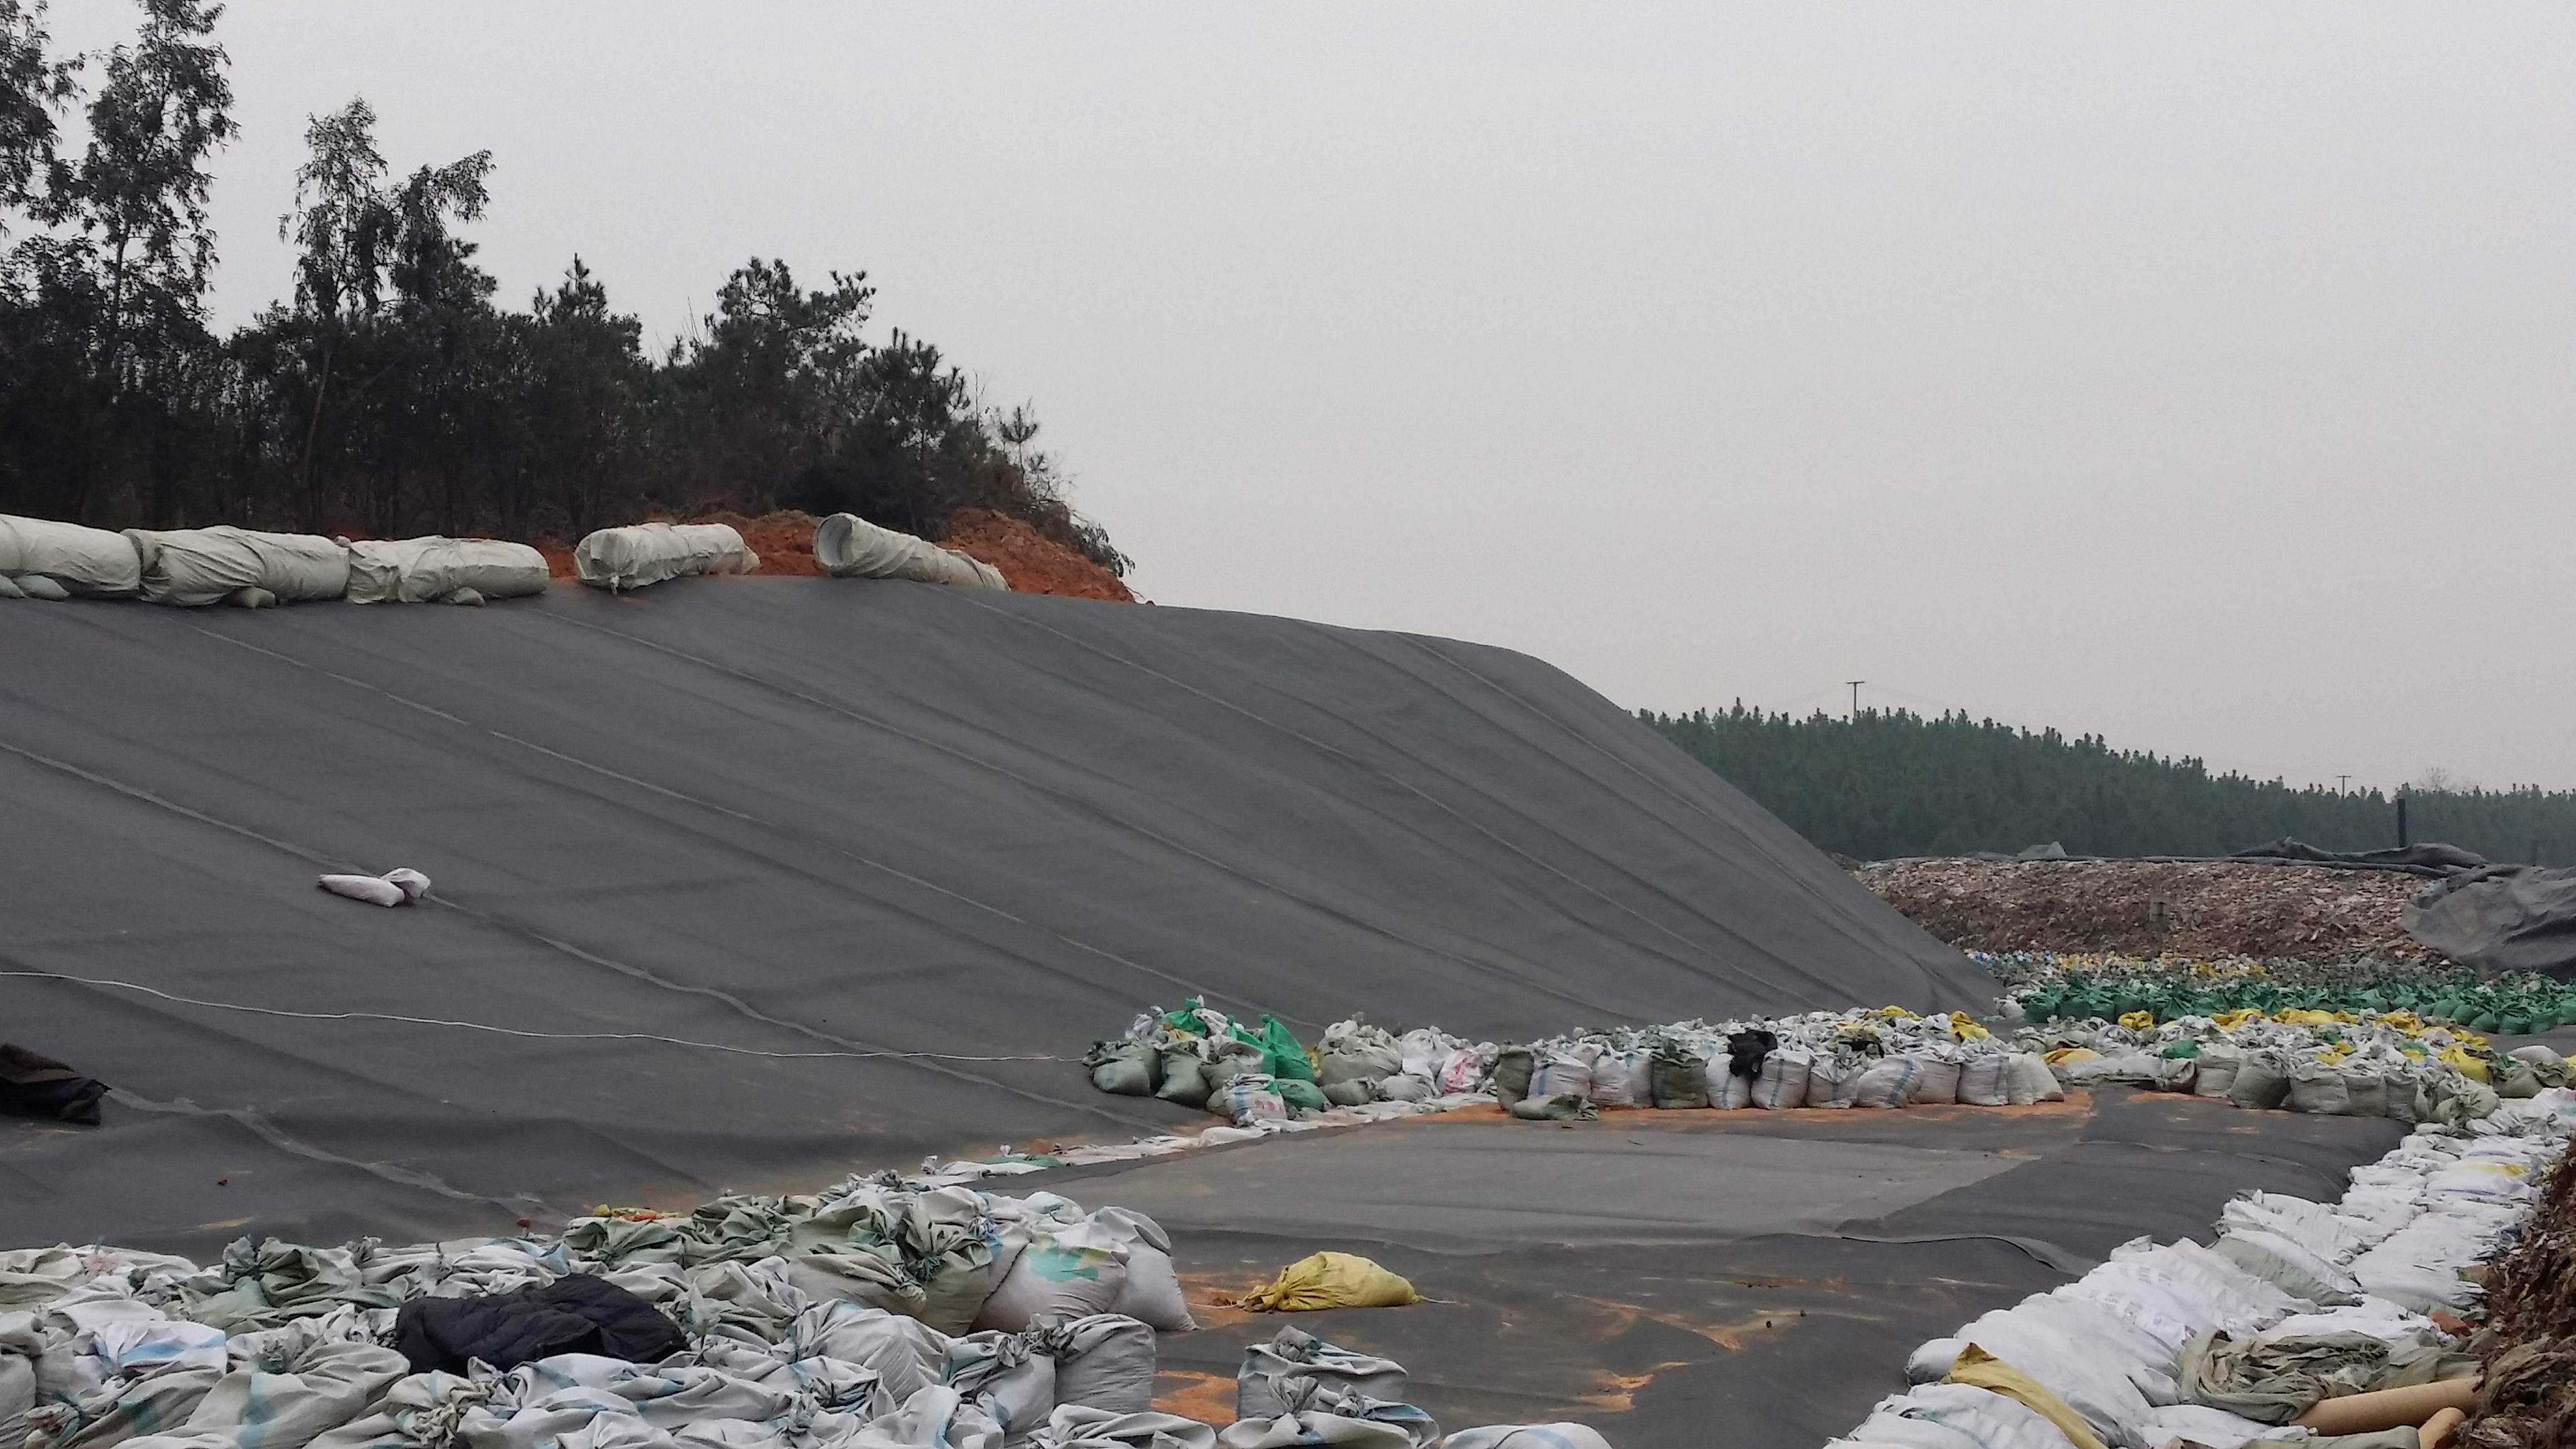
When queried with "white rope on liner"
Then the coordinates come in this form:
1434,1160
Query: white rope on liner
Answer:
514,1031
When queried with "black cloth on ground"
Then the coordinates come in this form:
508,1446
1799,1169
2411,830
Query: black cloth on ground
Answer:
576,1314
35,1085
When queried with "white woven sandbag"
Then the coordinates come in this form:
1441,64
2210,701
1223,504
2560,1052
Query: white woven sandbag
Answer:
1152,1291
89,561
1068,1272
1527,1436
1936,1079
2027,1080
1782,1082
1983,1080
1561,1072
644,554
195,567
421,570
1104,1362
1624,1079
1889,1082
1834,1081
1072,1426
848,546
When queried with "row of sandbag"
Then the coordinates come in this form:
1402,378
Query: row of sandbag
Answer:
953,1257
2370,1068
1883,1058
195,567
846,546
2302,1323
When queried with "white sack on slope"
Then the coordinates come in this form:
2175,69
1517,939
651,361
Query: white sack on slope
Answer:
83,560
849,547
648,553
420,570
194,567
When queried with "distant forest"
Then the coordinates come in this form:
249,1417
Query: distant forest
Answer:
392,394
1892,783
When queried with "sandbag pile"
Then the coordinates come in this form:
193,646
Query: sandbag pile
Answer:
885,1313
2044,985
2302,1323
1262,1079
198,567
2333,1064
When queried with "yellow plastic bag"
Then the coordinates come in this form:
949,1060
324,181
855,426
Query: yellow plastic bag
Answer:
1979,1369
1331,1280
2474,1068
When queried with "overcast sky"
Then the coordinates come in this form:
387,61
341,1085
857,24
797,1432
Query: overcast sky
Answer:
2196,375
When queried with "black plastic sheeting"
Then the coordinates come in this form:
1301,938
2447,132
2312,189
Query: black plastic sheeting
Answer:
2502,918
1765,1271
802,824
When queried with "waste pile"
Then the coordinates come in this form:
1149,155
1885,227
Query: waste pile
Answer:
2197,908
2044,985
884,1313
2344,1325
2529,1396
1260,1078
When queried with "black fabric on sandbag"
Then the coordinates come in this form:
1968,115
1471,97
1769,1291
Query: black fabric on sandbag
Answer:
1746,1049
35,1085
576,1314
803,824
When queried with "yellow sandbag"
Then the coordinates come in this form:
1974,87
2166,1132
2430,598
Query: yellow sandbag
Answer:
1965,1028
2227,1020
2474,1068
1331,1280
2064,1055
2137,1020
1979,1369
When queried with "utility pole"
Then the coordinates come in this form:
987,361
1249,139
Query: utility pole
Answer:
1855,684
2343,784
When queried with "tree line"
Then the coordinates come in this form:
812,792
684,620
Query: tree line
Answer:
390,392
1888,783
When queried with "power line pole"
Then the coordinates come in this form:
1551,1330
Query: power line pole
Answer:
2343,784
1855,684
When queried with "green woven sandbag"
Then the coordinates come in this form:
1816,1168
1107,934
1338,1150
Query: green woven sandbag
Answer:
1303,1096
1289,1062
2183,1050
2485,1022
2516,1026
